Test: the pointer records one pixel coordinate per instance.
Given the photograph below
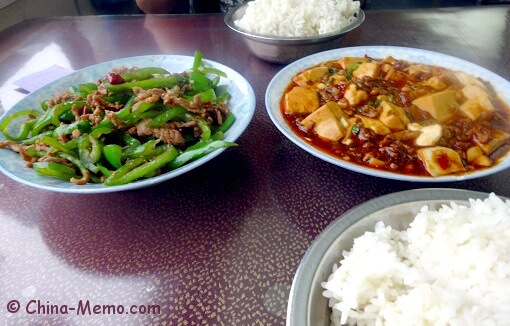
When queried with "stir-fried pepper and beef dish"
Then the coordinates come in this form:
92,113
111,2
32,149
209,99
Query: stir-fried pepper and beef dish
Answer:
131,124
398,116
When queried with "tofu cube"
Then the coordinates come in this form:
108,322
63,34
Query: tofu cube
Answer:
498,138
483,160
327,121
473,153
370,69
440,160
375,162
436,83
310,75
376,125
393,116
355,96
466,79
429,136
476,156
416,70
348,62
441,106
301,100
474,90
396,76
477,107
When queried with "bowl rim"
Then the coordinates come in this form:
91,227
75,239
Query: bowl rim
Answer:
304,281
229,21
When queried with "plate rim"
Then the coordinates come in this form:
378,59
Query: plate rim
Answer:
154,59
301,289
497,82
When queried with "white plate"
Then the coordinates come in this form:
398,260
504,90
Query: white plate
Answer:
307,305
281,80
242,104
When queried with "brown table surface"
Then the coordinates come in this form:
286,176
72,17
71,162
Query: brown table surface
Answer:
218,245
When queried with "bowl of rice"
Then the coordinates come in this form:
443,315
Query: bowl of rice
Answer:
418,257
281,31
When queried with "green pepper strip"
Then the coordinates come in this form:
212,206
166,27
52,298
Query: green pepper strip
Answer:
223,97
34,152
123,170
157,151
104,170
133,116
96,149
169,114
130,140
55,170
90,148
44,105
146,84
206,96
143,73
216,81
142,150
97,132
144,115
112,153
229,121
217,136
67,116
198,66
81,125
52,142
198,150
72,144
43,121
24,128
5,123
197,60
62,108
157,162
23,132
200,82
89,152
32,140
118,98
213,71
74,160
84,89
204,126
123,113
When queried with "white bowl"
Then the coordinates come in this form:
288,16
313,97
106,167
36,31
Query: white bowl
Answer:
285,49
307,305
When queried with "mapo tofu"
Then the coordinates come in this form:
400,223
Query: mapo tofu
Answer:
399,116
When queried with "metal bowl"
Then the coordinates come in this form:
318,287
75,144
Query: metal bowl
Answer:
307,305
285,49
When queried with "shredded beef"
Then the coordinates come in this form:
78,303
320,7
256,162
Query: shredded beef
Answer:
149,96
165,133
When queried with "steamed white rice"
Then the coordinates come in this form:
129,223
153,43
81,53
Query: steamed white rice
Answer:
297,17
450,267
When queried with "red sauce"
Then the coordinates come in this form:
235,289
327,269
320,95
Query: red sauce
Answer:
443,161
399,156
